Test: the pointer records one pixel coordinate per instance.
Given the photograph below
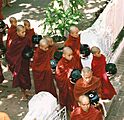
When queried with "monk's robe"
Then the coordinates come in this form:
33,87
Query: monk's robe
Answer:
1,74
10,36
42,72
1,5
81,88
29,34
17,64
52,50
63,71
74,44
98,66
92,114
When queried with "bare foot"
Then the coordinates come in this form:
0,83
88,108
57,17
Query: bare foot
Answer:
28,93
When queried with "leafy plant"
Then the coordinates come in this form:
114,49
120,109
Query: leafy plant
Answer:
58,20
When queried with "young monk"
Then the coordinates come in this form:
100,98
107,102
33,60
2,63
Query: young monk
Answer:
63,70
29,31
98,66
41,69
73,41
52,45
17,64
87,83
11,31
85,111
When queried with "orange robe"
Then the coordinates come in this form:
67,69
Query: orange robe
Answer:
92,114
63,71
10,36
17,64
42,72
29,34
74,44
98,66
80,88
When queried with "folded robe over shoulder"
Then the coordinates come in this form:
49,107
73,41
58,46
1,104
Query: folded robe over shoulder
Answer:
92,114
80,88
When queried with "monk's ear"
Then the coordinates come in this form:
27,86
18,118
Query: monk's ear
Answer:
79,104
63,55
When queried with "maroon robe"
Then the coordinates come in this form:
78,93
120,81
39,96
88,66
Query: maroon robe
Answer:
42,72
74,44
98,66
29,34
1,74
80,88
10,36
92,114
63,71
52,50
1,15
17,64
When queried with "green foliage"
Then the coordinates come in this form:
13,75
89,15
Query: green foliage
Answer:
118,40
58,21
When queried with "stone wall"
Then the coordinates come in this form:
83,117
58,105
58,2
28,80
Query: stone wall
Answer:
104,31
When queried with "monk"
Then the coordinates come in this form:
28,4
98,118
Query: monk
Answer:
73,41
11,31
52,45
1,74
87,83
29,31
63,70
41,69
98,67
17,64
85,111
4,116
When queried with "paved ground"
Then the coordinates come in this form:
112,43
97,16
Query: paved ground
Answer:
34,11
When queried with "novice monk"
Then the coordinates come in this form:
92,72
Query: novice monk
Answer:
87,83
73,41
29,32
63,70
41,69
52,45
17,64
98,66
11,31
85,111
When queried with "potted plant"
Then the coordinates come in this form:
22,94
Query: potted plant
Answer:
58,20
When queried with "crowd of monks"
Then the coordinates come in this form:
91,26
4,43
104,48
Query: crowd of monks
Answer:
70,95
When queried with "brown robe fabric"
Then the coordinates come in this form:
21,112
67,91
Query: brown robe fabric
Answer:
74,44
81,88
42,72
92,114
29,34
98,66
17,64
11,35
63,71
1,14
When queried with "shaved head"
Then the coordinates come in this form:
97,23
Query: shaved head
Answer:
43,44
67,50
83,98
26,22
94,50
19,28
73,29
12,19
